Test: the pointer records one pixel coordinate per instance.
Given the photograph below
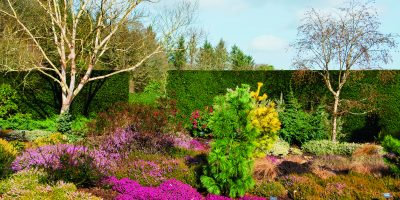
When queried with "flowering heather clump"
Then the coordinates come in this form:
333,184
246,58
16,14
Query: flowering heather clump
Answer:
117,145
171,189
67,162
60,156
216,197
151,173
187,142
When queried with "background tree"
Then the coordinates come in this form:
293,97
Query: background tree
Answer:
178,57
74,37
265,67
239,60
221,56
206,56
346,40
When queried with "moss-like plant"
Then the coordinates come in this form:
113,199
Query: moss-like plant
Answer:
230,163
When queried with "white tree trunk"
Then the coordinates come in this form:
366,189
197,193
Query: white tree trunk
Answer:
66,104
335,117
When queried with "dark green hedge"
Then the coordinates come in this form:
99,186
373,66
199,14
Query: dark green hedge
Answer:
196,89
41,96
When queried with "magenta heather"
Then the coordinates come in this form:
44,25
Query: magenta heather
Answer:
168,190
171,189
54,157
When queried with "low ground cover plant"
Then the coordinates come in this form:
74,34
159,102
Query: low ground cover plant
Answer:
328,147
170,189
298,126
31,185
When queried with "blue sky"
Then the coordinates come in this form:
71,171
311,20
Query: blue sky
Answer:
265,28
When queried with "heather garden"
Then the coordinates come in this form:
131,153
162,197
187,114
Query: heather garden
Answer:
97,104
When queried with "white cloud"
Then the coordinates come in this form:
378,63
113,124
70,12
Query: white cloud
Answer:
268,43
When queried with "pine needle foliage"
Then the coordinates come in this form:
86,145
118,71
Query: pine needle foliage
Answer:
230,162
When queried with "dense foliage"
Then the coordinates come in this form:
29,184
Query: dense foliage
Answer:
8,101
29,185
196,89
265,118
229,170
299,126
392,146
198,126
40,97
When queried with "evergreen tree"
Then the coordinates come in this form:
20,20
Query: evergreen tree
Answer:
230,162
192,50
221,56
206,56
178,57
239,60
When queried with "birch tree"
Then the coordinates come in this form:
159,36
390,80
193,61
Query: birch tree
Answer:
346,40
81,32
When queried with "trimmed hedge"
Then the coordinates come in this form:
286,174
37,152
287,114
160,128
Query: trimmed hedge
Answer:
41,96
196,89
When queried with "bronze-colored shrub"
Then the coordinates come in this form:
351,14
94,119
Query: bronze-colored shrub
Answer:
265,170
368,150
371,165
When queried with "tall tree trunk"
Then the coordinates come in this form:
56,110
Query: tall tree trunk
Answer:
66,104
335,117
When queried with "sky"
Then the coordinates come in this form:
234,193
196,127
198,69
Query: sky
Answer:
265,28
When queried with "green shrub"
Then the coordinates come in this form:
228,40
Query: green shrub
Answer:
79,125
41,98
196,89
198,126
25,122
268,189
392,146
8,101
295,151
299,126
30,185
7,155
150,95
64,123
327,147
280,148
230,164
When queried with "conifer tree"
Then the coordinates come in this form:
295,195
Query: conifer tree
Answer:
230,163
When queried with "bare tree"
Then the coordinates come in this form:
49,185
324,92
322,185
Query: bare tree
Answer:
81,32
345,40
